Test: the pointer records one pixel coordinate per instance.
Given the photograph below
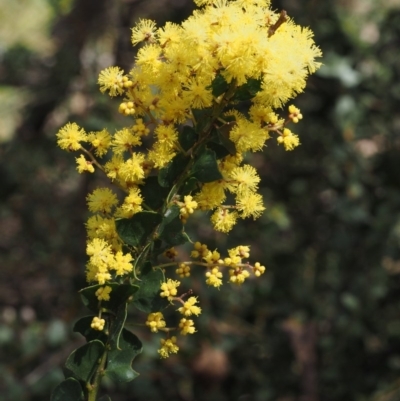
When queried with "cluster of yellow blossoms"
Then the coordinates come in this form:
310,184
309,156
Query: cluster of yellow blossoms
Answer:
226,52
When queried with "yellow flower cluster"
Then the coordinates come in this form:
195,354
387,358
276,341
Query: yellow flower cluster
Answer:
189,79
238,270
155,321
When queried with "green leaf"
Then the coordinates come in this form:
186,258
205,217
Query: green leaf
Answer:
190,185
188,137
119,295
219,85
68,390
136,230
153,193
168,174
119,361
117,325
248,90
221,144
83,361
171,228
82,326
203,119
205,168
148,298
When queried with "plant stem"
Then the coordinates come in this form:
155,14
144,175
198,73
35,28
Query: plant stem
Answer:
92,395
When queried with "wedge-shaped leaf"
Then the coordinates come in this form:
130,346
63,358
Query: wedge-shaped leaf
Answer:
82,326
188,137
168,174
136,230
148,299
171,228
83,361
219,85
119,360
119,295
68,390
205,168
153,193
248,90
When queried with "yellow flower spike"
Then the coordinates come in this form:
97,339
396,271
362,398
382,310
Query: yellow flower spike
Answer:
155,321
103,293
190,308
169,289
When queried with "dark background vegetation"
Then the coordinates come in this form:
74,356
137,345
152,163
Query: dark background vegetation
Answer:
323,324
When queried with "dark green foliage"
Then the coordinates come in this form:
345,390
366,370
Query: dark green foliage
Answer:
68,390
136,230
83,361
168,174
171,229
148,299
205,168
119,360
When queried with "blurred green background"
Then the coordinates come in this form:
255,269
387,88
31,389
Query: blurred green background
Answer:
323,324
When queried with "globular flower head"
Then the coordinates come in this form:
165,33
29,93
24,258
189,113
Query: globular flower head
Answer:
97,324
111,80
168,347
155,321
103,293
214,277
70,136
187,326
169,289
101,200
190,308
